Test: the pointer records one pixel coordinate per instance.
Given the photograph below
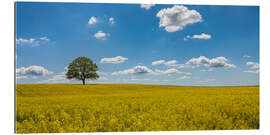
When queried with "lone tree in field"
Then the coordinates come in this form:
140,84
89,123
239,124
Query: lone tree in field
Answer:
82,68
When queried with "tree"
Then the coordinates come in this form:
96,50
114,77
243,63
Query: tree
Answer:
82,68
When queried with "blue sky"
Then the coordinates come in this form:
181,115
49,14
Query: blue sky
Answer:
132,43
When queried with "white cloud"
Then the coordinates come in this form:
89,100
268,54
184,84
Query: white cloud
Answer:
147,6
102,78
59,77
218,62
184,77
137,70
111,20
101,35
92,20
158,62
252,71
114,60
253,65
23,72
21,77
246,56
44,38
176,18
170,63
169,71
30,41
33,41
201,36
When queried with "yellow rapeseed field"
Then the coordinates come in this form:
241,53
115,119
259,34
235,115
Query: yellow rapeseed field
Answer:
44,108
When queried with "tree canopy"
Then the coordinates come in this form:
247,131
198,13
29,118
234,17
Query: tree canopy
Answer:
82,68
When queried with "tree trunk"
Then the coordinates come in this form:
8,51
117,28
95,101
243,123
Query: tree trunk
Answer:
83,81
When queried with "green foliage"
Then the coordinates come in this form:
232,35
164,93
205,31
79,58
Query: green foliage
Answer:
53,108
82,68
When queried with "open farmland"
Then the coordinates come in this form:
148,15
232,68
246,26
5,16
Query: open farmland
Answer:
130,107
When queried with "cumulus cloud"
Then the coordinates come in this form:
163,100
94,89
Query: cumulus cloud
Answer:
218,62
92,20
201,36
58,78
101,35
102,78
253,65
111,20
158,62
176,18
168,72
147,6
114,60
137,70
170,63
171,71
184,77
33,41
30,41
23,72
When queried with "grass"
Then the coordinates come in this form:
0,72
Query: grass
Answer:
53,108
